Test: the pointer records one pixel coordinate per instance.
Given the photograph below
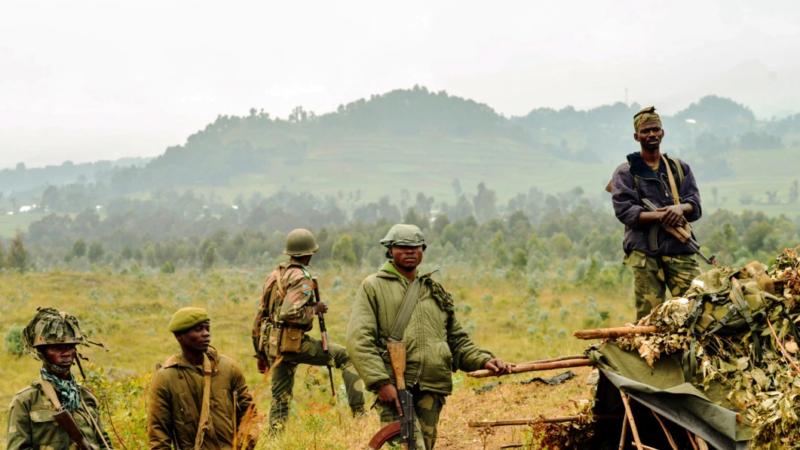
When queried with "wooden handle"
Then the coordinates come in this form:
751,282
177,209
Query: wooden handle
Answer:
533,368
610,333
397,354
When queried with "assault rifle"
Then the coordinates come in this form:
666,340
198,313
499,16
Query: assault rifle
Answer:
680,234
323,331
405,425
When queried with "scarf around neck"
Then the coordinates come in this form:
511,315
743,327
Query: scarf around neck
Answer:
66,390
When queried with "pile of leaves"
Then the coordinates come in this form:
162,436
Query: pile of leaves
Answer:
765,389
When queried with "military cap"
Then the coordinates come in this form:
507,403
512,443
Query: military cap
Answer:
645,115
186,318
405,235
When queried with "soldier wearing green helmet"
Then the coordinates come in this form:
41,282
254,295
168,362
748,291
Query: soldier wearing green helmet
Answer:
285,315
436,343
38,415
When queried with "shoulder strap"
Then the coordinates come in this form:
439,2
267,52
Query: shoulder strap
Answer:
675,197
50,393
205,412
404,313
271,292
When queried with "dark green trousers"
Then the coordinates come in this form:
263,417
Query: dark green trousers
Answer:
311,353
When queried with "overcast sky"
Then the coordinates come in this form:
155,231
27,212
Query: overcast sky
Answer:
85,80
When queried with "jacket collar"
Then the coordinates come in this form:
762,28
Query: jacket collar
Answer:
640,168
177,360
388,271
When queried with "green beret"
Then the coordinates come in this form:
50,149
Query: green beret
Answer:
186,318
645,115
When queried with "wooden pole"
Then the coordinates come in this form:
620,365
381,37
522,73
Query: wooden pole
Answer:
522,368
611,333
691,439
624,434
628,413
552,360
559,419
666,431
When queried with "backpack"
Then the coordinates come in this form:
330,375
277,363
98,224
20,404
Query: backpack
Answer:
271,300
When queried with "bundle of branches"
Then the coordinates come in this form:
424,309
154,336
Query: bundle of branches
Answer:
740,324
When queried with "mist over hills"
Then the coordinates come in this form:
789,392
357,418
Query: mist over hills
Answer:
422,140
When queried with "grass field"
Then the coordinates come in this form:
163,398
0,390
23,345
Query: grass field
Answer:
129,313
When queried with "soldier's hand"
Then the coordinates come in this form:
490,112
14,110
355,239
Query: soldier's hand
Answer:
320,308
498,366
673,215
262,365
388,394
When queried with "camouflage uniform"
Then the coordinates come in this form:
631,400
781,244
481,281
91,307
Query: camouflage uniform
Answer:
31,422
294,310
659,261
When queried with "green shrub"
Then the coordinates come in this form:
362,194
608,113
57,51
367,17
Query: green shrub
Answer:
13,341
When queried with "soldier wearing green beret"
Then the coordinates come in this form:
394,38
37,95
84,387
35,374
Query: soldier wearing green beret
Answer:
660,262
39,415
284,317
436,343
199,398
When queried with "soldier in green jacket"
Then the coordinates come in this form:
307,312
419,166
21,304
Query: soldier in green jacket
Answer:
437,344
52,337
285,316
199,397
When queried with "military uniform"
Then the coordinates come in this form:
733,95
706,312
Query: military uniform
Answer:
176,398
659,261
31,421
436,343
293,310
286,304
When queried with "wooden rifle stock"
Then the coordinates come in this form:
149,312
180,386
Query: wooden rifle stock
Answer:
65,420
397,354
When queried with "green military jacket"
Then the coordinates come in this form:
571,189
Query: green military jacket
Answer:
31,424
437,344
176,395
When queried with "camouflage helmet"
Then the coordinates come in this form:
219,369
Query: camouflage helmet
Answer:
301,242
405,235
49,327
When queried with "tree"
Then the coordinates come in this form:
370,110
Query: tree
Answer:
485,203
17,254
79,248
96,251
499,249
520,259
1,255
343,251
209,258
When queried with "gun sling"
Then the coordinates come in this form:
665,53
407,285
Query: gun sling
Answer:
404,313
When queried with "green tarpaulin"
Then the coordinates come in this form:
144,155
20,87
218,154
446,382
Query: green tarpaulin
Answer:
662,388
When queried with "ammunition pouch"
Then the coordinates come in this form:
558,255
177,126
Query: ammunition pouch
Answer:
273,341
291,339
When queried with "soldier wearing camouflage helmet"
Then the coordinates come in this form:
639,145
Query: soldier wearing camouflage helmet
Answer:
436,343
52,337
285,315
659,261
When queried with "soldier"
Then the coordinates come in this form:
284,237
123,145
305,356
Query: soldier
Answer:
659,261
285,316
52,337
199,398
436,342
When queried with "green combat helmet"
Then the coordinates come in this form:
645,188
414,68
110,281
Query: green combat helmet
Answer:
50,326
405,235
301,242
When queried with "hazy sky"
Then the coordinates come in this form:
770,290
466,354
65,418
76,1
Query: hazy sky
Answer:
84,80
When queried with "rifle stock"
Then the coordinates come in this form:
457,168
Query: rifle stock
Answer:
681,233
65,420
